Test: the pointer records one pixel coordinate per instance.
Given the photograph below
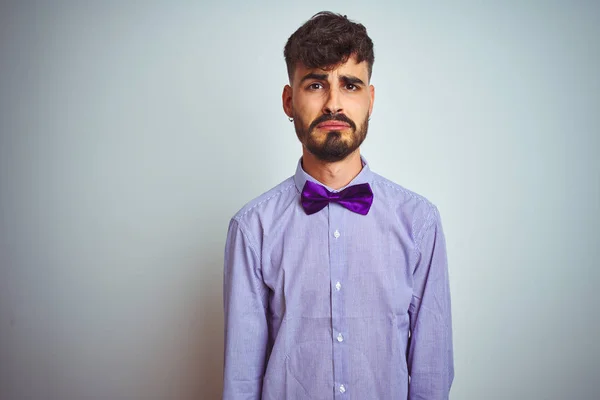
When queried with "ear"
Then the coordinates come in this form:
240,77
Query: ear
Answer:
372,95
286,99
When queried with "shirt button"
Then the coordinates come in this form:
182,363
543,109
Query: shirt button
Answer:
336,234
340,338
338,286
342,389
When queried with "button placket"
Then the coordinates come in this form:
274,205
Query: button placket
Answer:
337,215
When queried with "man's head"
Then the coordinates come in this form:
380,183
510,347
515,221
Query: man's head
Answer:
329,61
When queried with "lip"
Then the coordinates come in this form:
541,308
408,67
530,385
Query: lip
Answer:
333,125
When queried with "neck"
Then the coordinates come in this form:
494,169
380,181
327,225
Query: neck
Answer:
336,174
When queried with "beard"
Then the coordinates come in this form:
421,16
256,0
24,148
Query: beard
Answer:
336,146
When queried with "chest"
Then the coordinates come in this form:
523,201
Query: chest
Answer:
365,260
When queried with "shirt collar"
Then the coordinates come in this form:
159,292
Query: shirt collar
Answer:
364,176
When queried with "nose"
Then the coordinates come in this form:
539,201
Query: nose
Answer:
333,104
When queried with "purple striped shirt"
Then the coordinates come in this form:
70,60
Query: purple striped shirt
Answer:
337,304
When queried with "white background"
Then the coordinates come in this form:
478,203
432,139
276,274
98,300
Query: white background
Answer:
130,132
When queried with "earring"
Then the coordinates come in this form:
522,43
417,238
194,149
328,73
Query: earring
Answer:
291,119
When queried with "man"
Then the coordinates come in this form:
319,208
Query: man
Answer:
336,280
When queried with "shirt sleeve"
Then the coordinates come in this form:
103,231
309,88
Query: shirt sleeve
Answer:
245,300
430,353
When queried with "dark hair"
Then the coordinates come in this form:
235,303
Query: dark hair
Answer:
326,40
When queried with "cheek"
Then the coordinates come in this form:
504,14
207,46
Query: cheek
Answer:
357,110
359,103
307,114
307,103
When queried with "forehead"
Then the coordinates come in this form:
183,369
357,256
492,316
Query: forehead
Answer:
350,67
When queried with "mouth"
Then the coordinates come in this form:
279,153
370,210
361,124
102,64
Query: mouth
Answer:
333,125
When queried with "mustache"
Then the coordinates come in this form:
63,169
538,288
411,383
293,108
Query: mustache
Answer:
331,117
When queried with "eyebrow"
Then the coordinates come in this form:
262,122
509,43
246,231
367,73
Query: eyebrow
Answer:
312,75
347,79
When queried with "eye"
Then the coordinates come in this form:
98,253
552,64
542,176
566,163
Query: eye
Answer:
315,86
351,87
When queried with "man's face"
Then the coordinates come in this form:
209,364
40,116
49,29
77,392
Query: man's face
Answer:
331,108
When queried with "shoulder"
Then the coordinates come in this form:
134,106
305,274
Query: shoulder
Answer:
395,193
267,202
408,205
258,217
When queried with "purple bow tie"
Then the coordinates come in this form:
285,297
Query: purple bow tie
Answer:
357,198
